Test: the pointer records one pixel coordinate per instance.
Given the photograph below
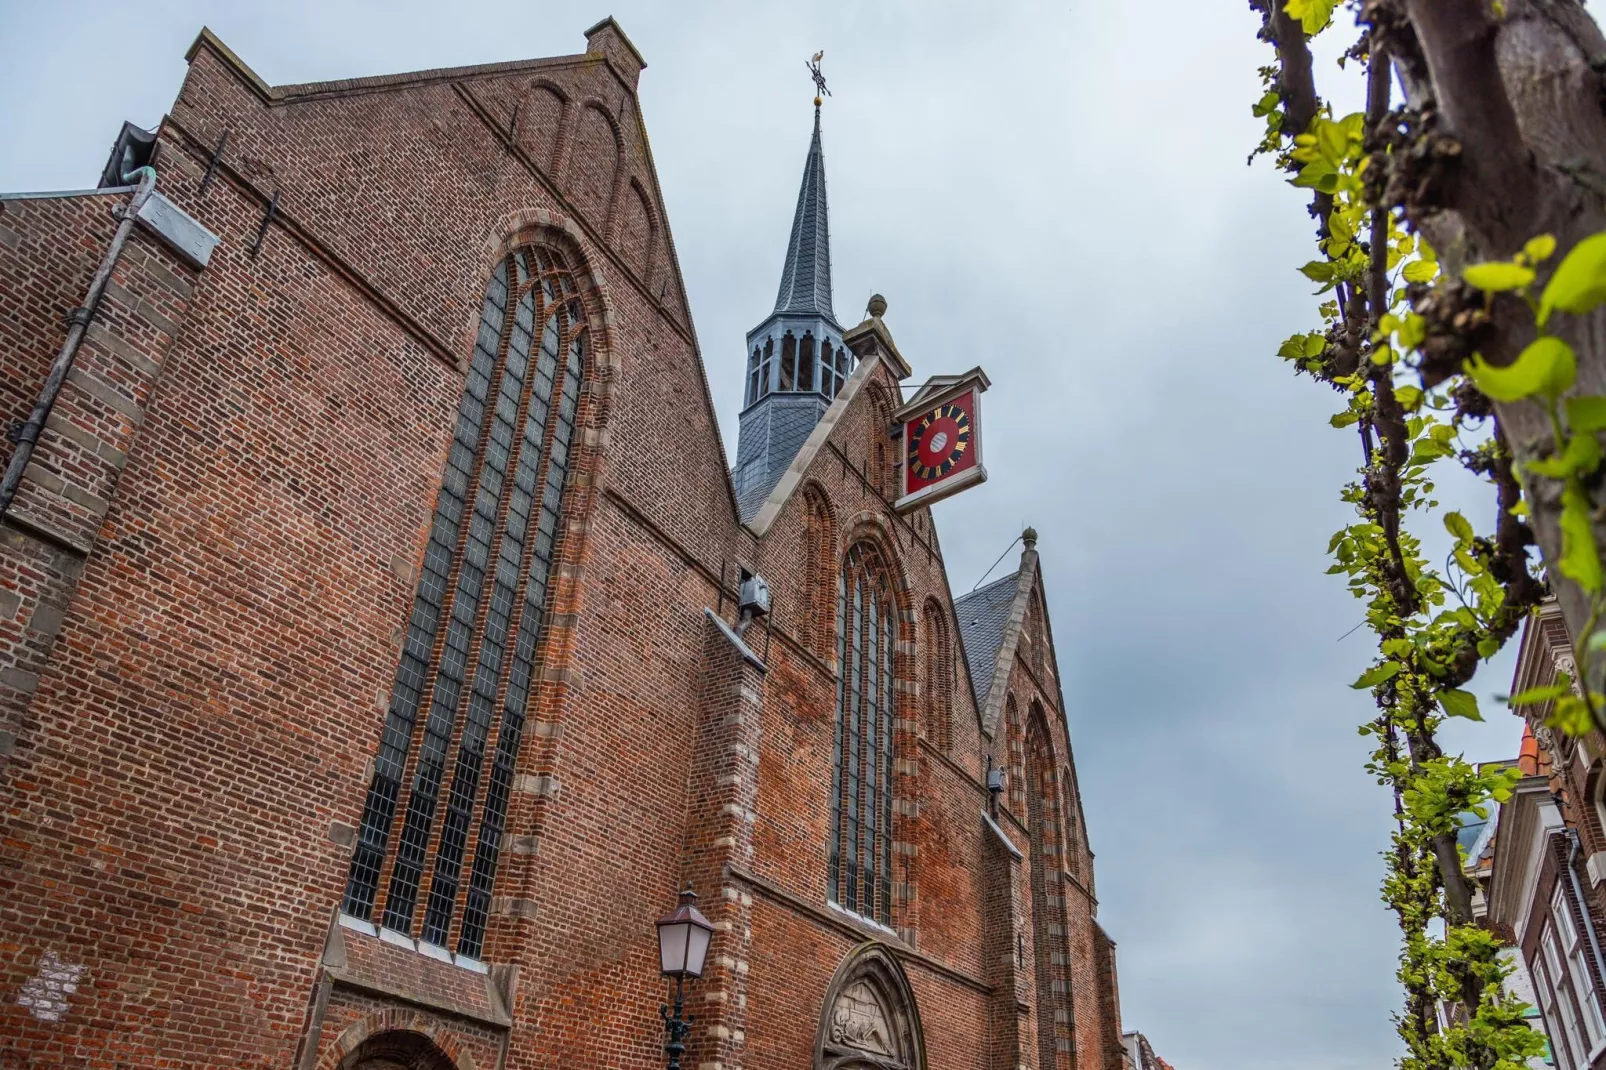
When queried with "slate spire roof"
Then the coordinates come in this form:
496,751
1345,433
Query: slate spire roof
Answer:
806,275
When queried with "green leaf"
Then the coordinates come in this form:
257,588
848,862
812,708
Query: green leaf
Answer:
1331,141
1546,367
1580,456
1319,271
1459,703
1535,695
1539,248
1421,271
1315,344
1498,275
1345,418
1579,283
1488,648
1458,525
1586,415
1580,559
1571,715
1377,674
1313,15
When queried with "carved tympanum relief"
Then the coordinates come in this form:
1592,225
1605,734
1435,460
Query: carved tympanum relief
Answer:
858,1021
869,1020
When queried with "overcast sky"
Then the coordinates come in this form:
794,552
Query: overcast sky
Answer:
1057,193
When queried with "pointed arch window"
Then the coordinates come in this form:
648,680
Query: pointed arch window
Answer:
861,782
1015,757
433,821
1052,949
818,599
937,686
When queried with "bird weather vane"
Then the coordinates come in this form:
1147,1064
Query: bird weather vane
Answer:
819,78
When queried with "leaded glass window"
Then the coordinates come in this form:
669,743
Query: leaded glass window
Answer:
861,784
469,656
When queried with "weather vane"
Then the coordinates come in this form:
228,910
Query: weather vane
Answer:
819,79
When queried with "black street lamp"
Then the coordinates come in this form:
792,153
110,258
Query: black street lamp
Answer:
683,938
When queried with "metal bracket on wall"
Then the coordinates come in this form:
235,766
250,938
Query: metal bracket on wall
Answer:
217,158
262,231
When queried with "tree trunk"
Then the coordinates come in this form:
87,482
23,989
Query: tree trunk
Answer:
1510,143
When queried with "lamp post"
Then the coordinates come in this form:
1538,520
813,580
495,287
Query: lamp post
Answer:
683,937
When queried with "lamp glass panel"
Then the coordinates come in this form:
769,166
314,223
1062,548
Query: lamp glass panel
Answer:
697,950
672,946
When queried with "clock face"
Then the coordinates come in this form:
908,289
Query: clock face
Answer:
939,442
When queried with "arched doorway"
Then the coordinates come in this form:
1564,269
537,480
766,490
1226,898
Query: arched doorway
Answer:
869,1020
398,1050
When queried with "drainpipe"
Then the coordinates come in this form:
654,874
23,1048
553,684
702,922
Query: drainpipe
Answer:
1583,907
27,436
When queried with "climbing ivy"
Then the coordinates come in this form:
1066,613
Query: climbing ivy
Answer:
1382,290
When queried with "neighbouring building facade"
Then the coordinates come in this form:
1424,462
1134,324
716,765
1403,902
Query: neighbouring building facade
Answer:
1140,1053
1540,863
380,644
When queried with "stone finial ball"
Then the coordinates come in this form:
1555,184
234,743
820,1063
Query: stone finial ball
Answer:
1029,537
878,306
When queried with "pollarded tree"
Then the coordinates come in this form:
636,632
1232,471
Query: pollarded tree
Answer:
1462,233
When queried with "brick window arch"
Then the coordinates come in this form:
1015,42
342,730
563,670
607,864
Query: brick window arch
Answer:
431,810
937,678
862,767
817,604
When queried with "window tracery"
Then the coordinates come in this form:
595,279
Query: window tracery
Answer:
477,614
862,767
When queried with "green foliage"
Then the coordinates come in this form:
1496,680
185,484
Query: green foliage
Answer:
1499,276
1434,625
1579,284
1546,367
1313,15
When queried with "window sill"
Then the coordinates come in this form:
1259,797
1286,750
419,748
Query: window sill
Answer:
402,940
861,919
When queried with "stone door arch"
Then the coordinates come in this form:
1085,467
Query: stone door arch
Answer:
868,1020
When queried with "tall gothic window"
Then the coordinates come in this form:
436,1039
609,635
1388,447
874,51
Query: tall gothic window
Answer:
1015,757
861,782
938,686
433,823
819,541
1041,783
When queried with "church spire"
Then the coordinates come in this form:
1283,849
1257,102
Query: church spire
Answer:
796,360
806,274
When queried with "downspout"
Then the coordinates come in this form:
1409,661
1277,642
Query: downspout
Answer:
1583,907
27,436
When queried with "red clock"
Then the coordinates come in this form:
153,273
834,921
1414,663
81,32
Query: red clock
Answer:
941,439
939,443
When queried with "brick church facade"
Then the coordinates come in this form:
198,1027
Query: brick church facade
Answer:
374,665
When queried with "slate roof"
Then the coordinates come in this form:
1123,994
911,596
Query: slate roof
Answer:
806,275
771,434
982,615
